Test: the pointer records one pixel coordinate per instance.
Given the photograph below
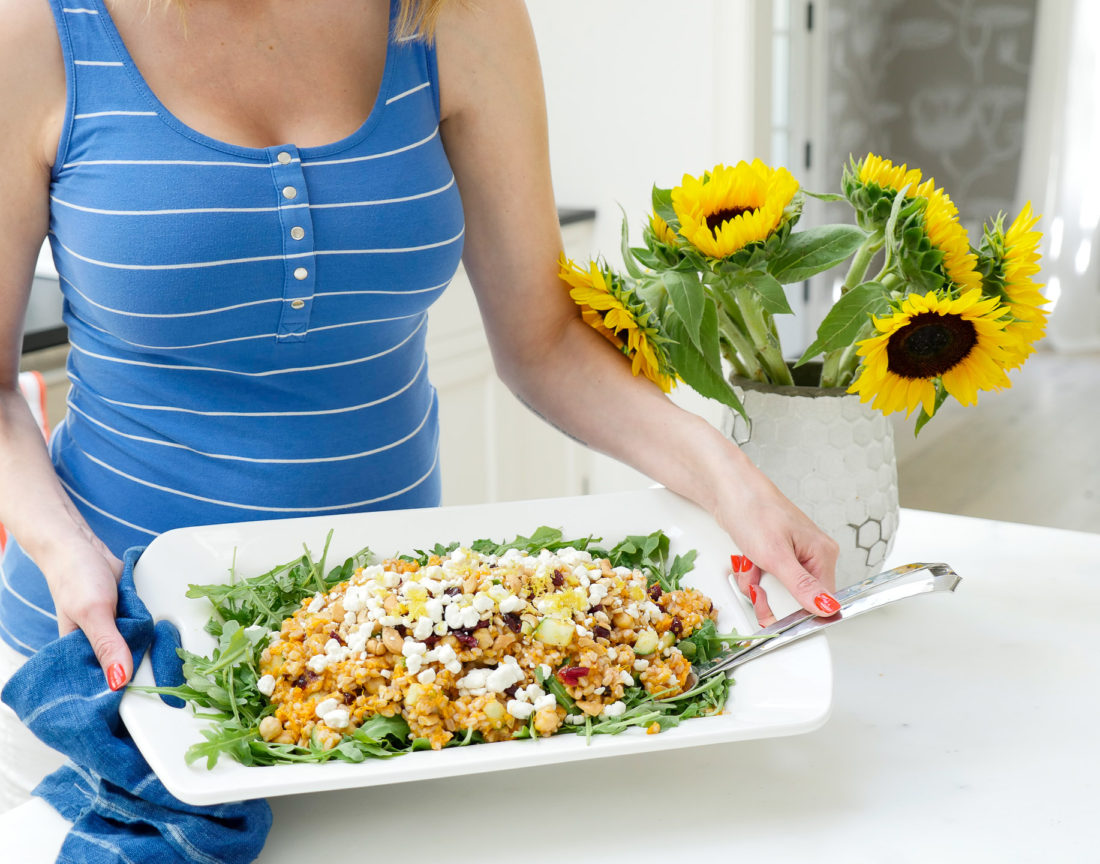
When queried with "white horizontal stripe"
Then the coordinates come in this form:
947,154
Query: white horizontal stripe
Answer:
251,337
400,200
408,92
97,62
84,296
382,155
254,459
279,299
320,412
103,212
114,114
16,639
185,368
61,700
243,163
21,598
258,258
80,11
111,848
74,494
218,164
196,210
328,509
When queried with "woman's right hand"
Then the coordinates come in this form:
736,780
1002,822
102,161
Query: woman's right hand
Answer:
83,578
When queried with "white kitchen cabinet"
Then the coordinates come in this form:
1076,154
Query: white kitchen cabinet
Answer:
492,447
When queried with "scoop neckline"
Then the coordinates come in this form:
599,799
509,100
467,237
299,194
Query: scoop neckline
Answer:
173,122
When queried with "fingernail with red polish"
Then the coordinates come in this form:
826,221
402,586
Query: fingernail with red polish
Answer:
116,676
753,594
827,603
740,563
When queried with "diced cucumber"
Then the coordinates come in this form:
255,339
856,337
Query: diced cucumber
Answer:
646,643
668,639
554,631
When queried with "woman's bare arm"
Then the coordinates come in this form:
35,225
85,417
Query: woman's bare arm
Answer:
494,129
34,507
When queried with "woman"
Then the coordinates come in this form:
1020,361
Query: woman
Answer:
247,265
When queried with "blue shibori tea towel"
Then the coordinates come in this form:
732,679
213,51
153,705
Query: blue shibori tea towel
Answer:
119,809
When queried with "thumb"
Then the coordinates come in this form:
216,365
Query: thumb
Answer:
810,591
110,648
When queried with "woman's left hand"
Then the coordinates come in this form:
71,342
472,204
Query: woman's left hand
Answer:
778,538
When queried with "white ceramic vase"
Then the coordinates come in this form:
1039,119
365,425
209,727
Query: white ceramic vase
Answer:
833,456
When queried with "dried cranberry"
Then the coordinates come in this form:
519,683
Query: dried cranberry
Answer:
571,675
677,626
431,640
452,591
655,592
305,679
402,630
559,579
601,632
512,621
466,637
511,691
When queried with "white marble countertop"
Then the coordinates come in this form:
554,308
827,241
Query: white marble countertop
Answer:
964,728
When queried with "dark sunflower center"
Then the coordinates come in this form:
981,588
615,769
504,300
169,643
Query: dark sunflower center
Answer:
930,345
715,220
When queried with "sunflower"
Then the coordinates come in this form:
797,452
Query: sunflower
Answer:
942,250
959,342
1008,260
872,183
661,231
886,175
946,233
726,209
612,308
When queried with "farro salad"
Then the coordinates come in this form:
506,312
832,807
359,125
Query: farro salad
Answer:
451,646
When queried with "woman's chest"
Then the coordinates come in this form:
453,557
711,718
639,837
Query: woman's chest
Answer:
258,74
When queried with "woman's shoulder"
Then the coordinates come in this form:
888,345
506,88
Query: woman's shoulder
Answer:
32,75
480,43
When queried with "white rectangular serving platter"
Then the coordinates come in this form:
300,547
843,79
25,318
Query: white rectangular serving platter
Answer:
785,693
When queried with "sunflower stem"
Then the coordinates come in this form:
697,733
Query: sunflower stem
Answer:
759,331
862,260
830,368
742,356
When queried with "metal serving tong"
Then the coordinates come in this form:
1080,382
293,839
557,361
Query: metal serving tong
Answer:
873,592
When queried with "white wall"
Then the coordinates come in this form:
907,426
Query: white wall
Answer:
643,91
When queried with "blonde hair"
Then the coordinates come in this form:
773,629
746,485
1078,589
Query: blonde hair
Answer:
417,18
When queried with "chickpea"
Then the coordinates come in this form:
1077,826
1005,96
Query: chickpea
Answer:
547,721
270,728
392,640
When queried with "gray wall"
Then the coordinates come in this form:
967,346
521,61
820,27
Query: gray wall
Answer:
938,84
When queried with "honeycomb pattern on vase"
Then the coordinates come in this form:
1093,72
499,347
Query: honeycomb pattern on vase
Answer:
833,456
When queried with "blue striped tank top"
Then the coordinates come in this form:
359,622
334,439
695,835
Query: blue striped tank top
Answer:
246,325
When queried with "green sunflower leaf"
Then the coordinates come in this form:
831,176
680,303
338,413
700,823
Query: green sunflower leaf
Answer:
689,302
849,315
662,205
772,296
825,196
628,254
924,417
701,368
807,253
